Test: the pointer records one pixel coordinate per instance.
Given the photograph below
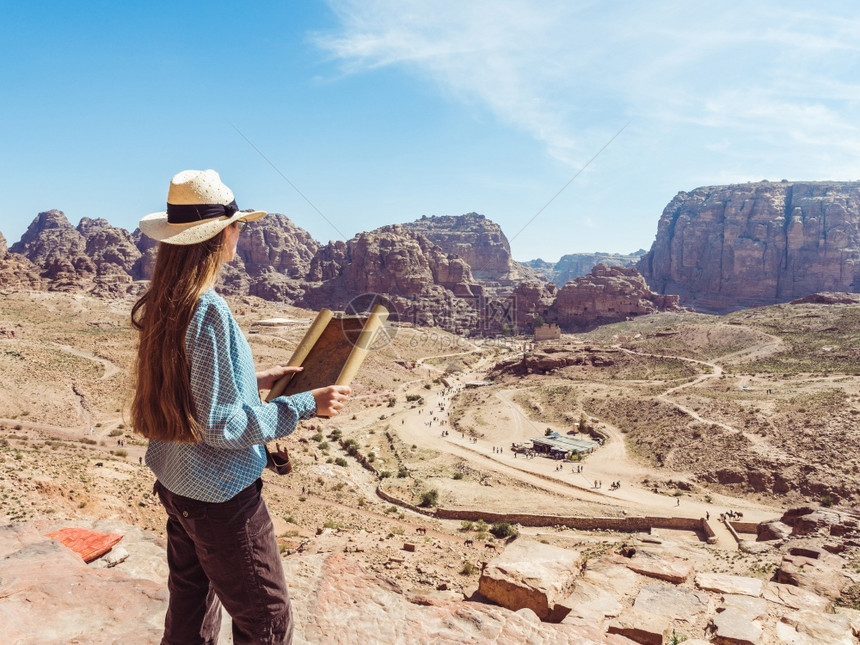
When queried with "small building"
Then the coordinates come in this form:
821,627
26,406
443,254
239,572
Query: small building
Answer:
559,446
547,332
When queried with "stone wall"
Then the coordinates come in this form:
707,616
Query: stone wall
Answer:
621,524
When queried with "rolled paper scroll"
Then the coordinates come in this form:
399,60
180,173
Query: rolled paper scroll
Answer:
372,326
301,352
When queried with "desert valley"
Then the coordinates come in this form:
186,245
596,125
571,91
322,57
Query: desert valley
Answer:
715,499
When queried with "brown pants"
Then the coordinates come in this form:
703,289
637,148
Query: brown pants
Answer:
224,554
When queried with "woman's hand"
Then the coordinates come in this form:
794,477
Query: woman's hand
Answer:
331,399
266,380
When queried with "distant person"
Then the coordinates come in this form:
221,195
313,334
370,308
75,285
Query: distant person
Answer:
197,401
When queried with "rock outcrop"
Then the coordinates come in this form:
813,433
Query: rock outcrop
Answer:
479,241
727,247
16,271
112,249
532,575
531,301
276,244
56,247
607,294
426,284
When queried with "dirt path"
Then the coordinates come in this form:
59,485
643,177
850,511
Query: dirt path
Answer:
758,443
110,369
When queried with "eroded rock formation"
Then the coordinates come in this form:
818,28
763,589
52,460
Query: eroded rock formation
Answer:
727,247
607,294
427,285
16,271
56,247
479,241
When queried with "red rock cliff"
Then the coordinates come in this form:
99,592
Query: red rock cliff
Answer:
728,247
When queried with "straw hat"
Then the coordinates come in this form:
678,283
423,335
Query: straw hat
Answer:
199,206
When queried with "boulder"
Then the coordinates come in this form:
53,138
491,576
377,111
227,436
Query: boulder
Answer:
754,608
530,574
807,627
795,597
814,522
821,575
676,603
640,627
47,589
336,601
734,626
663,568
600,592
774,530
728,584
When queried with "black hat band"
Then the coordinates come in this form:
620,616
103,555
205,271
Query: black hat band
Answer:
187,213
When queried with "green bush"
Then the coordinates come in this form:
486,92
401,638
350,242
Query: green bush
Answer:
403,472
429,498
340,461
115,432
458,475
351,447
318,436
468,569
503,530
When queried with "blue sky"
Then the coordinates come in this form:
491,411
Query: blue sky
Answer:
381,111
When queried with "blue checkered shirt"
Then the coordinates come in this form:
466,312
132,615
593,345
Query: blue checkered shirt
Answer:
237,424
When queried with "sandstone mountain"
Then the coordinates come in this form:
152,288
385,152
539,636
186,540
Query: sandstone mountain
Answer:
479,241
16,271
425,283
423,268
728,247
273,256
606,295
575,265
482,244
56,247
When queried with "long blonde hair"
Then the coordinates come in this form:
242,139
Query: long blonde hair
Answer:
162,407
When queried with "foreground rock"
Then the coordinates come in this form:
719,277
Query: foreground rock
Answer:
49,595
336,601
531,575
723,583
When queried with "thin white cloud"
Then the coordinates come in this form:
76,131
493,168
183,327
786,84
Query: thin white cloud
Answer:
570,73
